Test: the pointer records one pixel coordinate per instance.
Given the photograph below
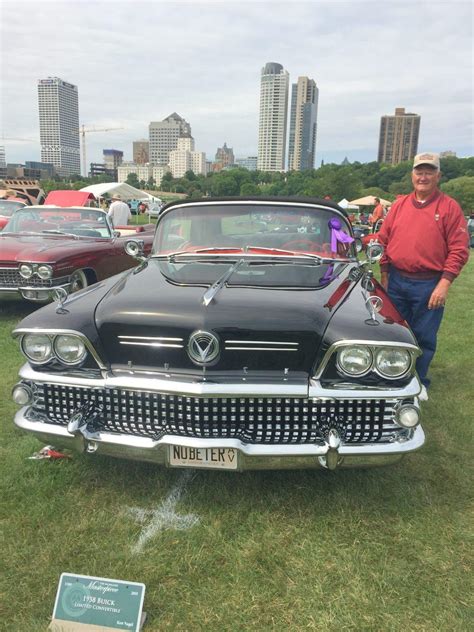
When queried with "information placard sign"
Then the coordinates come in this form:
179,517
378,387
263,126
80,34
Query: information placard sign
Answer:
97,603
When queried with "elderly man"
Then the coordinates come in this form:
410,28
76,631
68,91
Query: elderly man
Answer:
426,246
119,212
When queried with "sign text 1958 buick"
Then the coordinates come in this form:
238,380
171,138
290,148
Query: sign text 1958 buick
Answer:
251,338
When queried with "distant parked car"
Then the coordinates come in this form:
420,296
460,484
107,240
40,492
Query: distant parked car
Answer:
46,247
7,208
240,343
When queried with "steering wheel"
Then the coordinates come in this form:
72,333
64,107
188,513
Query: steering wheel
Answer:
299,244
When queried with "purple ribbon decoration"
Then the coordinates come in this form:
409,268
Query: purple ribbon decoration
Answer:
337,234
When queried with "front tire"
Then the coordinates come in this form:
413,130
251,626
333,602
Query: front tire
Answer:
78,281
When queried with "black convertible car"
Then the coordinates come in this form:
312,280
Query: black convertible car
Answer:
251,338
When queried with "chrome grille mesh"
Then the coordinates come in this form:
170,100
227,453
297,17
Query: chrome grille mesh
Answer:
252,420
10,277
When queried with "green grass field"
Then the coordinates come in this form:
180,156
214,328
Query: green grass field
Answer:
382,549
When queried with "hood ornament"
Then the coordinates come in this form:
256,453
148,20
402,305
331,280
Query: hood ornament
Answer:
60,294
374,304
203,347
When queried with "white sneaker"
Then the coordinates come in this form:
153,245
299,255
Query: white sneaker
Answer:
423,394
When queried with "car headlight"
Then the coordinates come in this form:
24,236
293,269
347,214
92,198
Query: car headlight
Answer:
44,271
26,270
355,360
392,362
37,348
69,349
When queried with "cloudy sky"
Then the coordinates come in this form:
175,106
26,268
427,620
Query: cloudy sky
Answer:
136,62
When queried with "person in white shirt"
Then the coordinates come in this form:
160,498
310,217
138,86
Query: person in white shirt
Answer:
119,212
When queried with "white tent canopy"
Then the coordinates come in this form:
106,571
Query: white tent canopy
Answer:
345,204
369,200
123,189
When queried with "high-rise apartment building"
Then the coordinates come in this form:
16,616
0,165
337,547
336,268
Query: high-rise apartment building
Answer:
141,151
185,158
58,105
398,140
303,124
113,158
273,117
164,137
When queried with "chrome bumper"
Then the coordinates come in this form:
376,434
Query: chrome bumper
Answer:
249,456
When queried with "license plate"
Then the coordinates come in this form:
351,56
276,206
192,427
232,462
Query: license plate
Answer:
215,458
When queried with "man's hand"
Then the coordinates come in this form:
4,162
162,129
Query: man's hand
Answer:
384,280
439,294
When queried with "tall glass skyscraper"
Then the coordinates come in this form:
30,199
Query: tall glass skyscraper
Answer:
273,117
58,106
303,124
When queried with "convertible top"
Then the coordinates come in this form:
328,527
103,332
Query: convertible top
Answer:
69,198
291,200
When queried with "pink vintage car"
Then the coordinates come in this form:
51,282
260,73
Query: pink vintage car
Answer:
46,247
7,208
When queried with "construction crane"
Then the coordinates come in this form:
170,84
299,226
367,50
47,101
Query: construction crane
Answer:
83,131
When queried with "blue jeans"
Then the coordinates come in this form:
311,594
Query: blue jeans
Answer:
410,297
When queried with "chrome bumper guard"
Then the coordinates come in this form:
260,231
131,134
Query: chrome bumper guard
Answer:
250,457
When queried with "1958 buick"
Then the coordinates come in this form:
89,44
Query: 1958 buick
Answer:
251,338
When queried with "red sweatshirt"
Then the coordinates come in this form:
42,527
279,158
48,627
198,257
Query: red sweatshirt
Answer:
425,239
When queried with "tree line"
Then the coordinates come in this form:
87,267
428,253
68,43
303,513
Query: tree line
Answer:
348,181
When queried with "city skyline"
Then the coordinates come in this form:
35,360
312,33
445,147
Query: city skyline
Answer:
362,55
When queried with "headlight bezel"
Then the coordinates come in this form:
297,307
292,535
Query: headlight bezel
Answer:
355,348
377,362
25,338
48,271
23,267
60,356
331,359
54,360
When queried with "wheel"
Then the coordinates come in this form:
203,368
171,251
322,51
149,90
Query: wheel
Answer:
299,244
78,281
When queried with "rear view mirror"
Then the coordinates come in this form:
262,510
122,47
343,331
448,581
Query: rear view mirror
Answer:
374,252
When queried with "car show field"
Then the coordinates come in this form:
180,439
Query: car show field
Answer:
381,549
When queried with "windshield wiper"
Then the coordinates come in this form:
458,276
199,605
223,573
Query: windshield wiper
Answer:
218,285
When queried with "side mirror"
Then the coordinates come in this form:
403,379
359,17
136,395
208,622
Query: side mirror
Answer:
136,249
374,252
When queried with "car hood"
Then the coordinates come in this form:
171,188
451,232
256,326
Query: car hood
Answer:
39,248
147,319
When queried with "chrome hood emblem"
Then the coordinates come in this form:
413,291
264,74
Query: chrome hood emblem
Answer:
203,347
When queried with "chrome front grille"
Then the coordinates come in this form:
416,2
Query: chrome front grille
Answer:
11,278
252,420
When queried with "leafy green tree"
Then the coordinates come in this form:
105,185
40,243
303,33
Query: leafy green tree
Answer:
190,175
132,180
462,190
249,189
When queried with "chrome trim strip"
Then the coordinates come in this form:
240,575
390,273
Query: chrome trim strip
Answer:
414,350
367,392
151,338
261,342
204,388
257,349
60,332
151,344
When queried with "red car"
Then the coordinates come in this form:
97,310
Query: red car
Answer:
7,208
42,248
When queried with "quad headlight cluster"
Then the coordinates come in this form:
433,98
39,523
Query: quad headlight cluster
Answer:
42,348
42,270
389,362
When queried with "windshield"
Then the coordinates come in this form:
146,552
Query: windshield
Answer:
79,222
8,207
254,228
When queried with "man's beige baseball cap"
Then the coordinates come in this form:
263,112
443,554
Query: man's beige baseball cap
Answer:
426,159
